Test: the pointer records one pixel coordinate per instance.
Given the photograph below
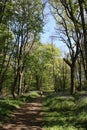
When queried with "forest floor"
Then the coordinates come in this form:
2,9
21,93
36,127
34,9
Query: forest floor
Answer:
49,112
28,117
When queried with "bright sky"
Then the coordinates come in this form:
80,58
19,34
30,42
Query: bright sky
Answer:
49,30
49,26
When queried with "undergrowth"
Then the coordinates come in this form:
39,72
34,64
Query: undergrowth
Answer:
8,105
64,113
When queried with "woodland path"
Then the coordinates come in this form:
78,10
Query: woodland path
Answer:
28,117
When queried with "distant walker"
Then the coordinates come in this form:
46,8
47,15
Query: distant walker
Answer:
41,93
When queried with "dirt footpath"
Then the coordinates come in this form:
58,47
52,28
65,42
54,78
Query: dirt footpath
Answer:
28,117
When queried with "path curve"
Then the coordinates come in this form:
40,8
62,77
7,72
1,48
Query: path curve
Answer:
28,117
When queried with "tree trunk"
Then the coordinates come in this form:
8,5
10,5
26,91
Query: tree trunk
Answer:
13,86
80,74
24,86
15,82
1,83
64,79
72,91
20,83
56,83
86,73
80,80
84,33
2,9
37,81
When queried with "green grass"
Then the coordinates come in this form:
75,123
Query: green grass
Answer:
6,108
64,113
8,105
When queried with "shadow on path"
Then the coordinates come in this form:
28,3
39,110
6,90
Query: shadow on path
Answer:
28,117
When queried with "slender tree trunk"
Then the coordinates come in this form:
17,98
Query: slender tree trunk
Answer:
80,74
80,79
15,83
72,91
37,81
83,62
2,9
41,83
20,83
86,73
24,85
1,83
13,86
84,33
64,79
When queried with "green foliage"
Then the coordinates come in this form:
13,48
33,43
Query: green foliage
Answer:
8,105
40,65
64,113
70,19
6,108
29,19
62,128
82,103
34,94
22,22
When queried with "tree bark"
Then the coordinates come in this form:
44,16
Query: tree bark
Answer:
72,91
20,83
13,86
37,81
15,83
80,73
2,9
84,33
1,83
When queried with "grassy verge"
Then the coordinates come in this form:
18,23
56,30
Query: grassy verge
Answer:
8,105
65,113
